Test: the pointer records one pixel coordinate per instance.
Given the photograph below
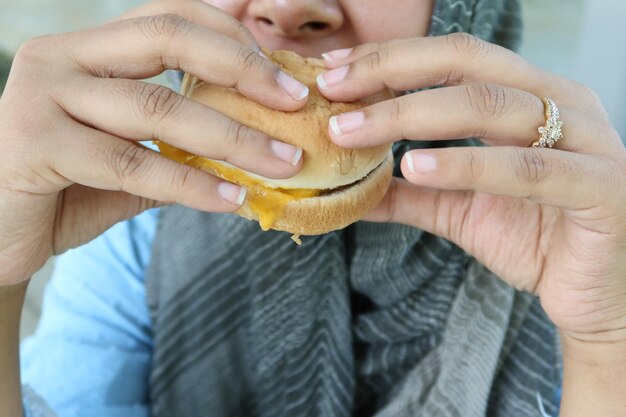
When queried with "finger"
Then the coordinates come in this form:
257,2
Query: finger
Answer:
421,207
153,44
542,175
200,13
136,110
497,115
99,160
97,211
446,60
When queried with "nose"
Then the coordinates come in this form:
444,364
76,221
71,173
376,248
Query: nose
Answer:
296,18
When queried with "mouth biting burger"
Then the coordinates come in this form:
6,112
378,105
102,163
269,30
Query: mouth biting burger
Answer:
335,187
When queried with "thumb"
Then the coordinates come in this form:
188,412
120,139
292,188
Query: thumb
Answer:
84,213
439,212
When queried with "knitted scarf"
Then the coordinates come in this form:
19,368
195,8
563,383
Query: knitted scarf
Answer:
374,320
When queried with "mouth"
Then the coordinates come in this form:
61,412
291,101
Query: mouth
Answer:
313,48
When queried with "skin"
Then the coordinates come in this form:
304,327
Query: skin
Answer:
549,221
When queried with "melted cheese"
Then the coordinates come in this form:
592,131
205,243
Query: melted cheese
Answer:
268,203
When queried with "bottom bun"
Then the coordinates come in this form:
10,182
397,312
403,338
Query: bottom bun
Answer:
332,210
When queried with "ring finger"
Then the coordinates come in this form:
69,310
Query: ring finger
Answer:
99,160
498,115
143,111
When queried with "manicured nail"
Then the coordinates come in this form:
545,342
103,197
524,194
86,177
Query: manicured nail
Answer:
421,162
347,122
293,87
232,193
332,77
337,54
286,152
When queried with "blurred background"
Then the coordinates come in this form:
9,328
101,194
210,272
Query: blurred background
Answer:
584,40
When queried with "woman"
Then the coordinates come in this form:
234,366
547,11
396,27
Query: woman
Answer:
379,319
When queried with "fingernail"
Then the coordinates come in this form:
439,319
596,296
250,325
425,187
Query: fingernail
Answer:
263,55
421,162
347,122
232,193
337,54
332,77
286,152
293,87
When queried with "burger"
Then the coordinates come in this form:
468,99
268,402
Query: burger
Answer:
335,187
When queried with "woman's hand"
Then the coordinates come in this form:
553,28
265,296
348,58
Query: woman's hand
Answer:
73,112
549,221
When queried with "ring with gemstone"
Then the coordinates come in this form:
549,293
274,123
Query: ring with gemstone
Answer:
552,132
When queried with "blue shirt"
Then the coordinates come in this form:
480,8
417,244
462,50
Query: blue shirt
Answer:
95,331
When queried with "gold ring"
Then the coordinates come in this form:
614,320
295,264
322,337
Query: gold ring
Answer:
552,132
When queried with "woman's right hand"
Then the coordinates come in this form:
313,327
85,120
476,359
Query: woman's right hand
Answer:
74,110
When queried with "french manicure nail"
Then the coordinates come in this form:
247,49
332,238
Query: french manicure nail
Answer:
332,77
293,87
421,162
347,122
337,54
232,193
286,152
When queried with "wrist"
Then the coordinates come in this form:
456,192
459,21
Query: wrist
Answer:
593,376
601,350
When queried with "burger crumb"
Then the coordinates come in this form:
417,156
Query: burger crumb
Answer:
296,238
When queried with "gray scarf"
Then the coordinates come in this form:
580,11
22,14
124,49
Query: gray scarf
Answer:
377,319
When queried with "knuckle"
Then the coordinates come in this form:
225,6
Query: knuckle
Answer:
465,44
396,117
236,136
589,95
488,101
396,112
128,161
181,179
374,60
248,60
33,51
364,49
583,97
158,103
451,77
613,135
531,167
400,116
476,166
161,26
377,59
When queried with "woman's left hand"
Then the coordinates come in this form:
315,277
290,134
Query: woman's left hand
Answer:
548,221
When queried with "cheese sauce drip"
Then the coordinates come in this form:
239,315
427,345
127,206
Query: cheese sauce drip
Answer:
268,203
